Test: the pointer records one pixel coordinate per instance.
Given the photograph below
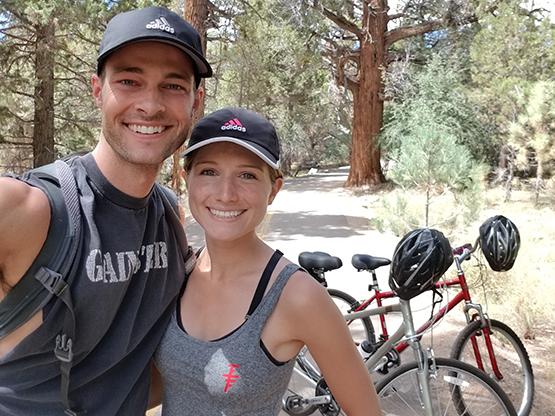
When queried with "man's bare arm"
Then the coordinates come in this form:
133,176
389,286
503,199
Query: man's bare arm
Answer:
24,222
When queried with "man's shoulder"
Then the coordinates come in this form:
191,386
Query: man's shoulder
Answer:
18,198
24,221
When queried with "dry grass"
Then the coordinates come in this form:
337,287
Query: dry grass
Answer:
524,297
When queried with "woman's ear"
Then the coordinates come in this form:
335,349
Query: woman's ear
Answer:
184,176
276,186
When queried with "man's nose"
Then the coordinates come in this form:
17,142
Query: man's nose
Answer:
151,102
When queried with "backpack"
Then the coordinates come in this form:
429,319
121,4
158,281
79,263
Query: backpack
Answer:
50,274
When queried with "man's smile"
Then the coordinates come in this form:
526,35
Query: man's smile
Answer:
137,128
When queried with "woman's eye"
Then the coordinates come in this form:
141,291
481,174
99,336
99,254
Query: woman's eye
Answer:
248,176
207,172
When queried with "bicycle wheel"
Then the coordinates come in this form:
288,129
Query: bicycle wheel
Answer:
456,389
511,357
361,328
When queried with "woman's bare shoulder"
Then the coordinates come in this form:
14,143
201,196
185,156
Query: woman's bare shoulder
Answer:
303,292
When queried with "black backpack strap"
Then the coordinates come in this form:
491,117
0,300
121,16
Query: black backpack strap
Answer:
170,201
64,341
170,196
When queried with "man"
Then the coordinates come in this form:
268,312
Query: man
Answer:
132,260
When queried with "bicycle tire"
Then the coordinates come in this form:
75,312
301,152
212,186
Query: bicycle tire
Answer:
456,389
511,356
361,328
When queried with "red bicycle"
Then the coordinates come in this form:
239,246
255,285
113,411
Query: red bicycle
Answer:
485,343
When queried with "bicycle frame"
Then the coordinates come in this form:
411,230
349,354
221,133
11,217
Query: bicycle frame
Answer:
379,358
461,254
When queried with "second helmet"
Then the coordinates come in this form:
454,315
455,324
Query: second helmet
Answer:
500,241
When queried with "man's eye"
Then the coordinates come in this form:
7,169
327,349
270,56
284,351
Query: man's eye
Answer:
127,82
175,87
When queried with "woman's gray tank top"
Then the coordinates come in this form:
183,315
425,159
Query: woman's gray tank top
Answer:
227,377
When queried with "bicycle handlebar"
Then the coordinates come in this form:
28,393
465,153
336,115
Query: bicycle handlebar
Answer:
463,252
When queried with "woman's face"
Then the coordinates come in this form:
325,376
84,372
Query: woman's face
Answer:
229,190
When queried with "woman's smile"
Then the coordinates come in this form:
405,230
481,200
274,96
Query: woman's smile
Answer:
225,214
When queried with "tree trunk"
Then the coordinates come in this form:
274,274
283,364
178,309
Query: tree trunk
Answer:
196,13
368,105
539,180
43,132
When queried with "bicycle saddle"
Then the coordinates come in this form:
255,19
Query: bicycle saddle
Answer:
319,260
367,262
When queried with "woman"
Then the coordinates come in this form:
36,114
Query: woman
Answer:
246,311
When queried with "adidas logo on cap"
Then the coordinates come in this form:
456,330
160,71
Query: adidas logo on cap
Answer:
234,124
161,24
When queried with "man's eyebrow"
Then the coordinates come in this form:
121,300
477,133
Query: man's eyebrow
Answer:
131,69
186,76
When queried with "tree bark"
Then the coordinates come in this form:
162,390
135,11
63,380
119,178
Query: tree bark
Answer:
196,13
368,106
43,133
367,86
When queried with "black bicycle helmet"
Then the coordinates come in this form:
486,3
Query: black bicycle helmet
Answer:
500,241
420,259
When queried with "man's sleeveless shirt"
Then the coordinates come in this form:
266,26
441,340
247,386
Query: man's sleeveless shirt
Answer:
130,273
230,376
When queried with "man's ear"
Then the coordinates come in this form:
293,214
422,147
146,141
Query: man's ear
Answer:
199,93
96,83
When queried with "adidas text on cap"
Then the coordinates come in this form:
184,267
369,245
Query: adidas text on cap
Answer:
240,126
156,24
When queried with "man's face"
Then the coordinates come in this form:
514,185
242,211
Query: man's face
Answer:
147,97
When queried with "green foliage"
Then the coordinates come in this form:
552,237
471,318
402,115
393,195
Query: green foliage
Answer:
424,140
513,49
442,179
533,134
436,96
78,27
263,64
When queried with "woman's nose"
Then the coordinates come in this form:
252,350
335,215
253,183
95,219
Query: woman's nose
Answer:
227,190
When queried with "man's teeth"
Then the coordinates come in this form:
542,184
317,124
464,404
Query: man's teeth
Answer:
147,130
226,214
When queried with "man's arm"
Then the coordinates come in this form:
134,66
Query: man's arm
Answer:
24,222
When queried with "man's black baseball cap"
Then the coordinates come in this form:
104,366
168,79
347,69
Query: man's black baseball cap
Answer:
156,24
240,126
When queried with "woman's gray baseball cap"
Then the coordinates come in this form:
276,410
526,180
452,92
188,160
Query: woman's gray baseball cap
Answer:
156,24
240,126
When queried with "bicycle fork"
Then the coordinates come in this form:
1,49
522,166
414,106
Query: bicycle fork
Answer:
486,333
